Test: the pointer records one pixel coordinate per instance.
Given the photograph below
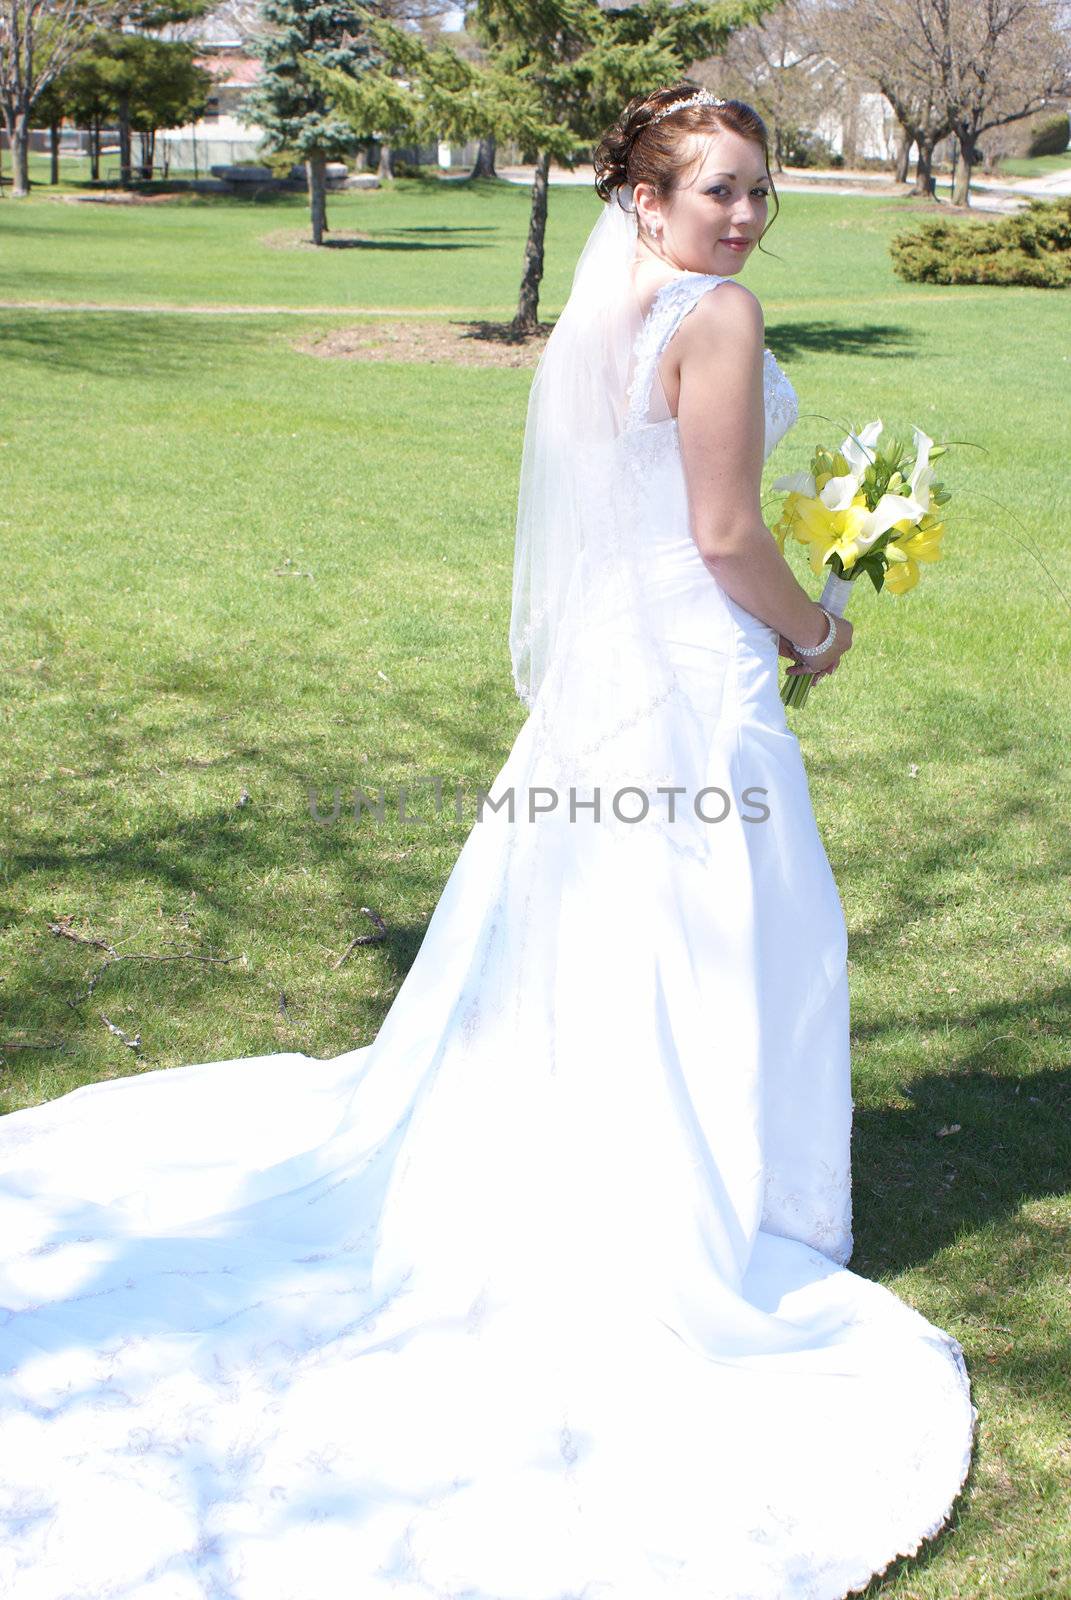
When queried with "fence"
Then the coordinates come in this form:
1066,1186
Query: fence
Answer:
72,141
183,153
179,152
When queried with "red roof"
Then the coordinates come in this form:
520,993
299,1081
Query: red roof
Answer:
232,71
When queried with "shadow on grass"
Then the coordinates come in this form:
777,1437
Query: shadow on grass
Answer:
881,340
391,865
916,1190
373,245
178,192
115,344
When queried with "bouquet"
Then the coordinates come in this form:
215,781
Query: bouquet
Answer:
859,513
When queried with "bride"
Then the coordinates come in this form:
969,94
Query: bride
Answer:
542,1294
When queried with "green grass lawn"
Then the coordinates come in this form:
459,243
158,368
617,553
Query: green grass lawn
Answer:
430,246
234,570
1035,166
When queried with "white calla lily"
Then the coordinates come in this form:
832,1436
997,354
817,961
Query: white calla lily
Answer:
921,473
838,493
854,453
890,509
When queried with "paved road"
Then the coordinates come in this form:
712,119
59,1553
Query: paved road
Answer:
987,194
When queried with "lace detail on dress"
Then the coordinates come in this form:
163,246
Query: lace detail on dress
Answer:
782,404
821,1217
671,304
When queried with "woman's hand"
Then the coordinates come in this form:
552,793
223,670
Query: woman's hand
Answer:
817,666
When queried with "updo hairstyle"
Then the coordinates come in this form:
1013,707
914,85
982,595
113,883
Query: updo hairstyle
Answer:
636,150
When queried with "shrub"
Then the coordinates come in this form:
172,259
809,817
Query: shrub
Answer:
1049,135
800,147
1031,247
402,168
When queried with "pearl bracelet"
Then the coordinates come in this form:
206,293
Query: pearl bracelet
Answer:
819,649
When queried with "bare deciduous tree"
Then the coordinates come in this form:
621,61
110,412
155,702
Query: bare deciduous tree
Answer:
37,40
1000,61
955,67
781,66
881,41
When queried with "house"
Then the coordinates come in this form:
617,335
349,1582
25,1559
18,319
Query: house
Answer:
224,39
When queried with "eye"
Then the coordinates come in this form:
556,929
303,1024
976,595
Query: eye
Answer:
718,187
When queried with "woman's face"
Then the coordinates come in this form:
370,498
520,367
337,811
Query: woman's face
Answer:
723,196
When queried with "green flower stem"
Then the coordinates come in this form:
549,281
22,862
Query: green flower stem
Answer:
834,598
796,688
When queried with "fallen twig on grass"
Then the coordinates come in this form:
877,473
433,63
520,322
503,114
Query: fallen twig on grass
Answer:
363,938
131,1043
61,927
30,1044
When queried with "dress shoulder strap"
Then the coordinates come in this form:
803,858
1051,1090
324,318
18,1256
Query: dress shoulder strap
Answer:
671,304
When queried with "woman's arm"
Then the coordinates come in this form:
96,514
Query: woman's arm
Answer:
721,423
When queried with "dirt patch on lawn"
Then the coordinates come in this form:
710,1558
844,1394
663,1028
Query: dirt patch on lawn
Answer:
464,344
301,239
944,208
117,197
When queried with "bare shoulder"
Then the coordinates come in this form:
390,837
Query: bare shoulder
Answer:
726,311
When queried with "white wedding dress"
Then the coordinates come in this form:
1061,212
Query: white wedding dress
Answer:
542,1295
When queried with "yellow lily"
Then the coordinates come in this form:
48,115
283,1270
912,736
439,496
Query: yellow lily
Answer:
925,545
902,573
850,525
816,519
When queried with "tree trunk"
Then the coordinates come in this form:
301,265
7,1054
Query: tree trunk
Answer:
849,139
18,133
53,146
145,141
94,151
125,162
527,318
485,159
924,179
386,162
961,182
905,140
316,172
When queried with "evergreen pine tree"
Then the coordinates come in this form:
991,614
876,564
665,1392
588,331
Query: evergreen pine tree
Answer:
293,110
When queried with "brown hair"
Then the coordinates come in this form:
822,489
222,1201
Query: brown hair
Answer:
635,150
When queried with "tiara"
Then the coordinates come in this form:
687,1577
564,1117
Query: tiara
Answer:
702,98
